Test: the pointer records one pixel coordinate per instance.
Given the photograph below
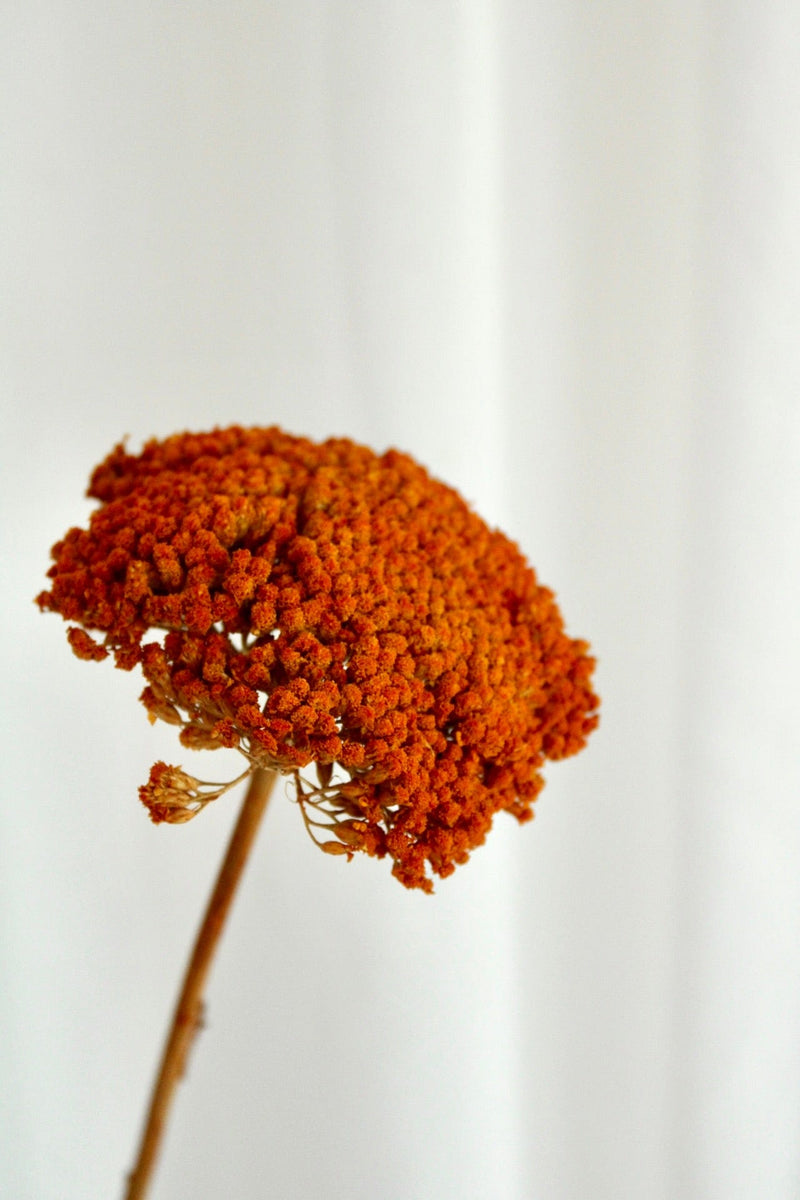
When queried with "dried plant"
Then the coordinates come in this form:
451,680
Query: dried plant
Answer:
337,617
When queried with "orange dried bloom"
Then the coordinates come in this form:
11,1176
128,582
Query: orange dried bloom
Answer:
321,604
172,795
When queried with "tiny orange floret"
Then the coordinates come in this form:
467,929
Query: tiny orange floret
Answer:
320,603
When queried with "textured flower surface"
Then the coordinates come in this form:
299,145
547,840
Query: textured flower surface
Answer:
319,604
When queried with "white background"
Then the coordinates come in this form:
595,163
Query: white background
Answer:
553,250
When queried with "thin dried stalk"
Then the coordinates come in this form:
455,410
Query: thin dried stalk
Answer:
188,1011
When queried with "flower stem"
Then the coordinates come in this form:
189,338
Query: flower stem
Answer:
188,1011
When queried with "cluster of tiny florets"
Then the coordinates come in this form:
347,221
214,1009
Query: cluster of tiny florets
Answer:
321,604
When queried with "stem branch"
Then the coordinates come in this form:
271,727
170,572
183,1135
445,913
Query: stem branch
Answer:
188,1011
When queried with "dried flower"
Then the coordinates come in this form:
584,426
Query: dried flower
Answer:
172,795
321,604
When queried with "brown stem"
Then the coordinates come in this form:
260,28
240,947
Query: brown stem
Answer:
188,1011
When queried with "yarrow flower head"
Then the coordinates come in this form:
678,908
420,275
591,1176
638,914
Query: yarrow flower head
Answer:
322,605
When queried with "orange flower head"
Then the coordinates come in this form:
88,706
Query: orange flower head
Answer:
324,605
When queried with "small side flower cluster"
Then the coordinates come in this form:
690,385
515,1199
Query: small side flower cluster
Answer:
321,604
173,796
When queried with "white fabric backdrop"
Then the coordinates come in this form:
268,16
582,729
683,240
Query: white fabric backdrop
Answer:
553,251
